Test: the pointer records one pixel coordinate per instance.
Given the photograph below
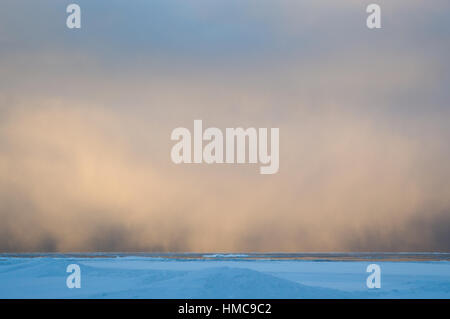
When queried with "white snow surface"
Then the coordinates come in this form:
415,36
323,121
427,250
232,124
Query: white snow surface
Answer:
146,277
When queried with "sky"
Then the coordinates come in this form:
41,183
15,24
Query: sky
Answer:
86,117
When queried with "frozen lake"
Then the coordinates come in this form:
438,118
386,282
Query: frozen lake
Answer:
313,275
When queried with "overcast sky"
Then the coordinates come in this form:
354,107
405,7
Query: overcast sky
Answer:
86,117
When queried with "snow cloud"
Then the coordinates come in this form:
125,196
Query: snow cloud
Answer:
85,123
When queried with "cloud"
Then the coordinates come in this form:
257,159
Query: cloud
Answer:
86,177
85,123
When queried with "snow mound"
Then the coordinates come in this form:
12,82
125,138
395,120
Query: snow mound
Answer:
226,282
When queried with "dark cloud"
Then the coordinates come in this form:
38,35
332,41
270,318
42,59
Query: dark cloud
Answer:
423,232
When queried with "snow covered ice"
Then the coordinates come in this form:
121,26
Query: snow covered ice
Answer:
220,276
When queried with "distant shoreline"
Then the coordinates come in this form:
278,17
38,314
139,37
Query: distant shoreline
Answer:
331,256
